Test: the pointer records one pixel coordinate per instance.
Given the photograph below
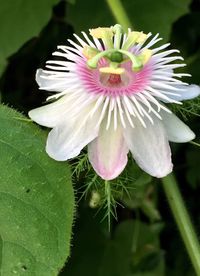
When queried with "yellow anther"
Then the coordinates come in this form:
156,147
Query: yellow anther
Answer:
111,70
89,52
104,33
131,40
142,37
136,35
145,56
101,32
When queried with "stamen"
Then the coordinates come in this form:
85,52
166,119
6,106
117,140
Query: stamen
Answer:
131,40
142,37
134,37
106,34
145,56
101,32
90,52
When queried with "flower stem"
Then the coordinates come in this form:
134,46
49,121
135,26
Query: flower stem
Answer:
119,13
183,220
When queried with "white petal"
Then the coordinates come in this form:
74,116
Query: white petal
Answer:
150,147
190,92
108,152
176,130
66,140
46,83
186,92
69,106
51,114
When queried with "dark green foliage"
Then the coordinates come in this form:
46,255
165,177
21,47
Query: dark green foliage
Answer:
36,195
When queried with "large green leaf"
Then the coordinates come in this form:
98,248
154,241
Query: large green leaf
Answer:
149,16
156,16
21,20
36,201
87,14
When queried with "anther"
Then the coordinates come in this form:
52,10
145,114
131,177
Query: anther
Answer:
145,56
106,34
90,52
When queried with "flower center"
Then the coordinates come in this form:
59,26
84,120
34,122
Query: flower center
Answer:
118,68
114,79
110,84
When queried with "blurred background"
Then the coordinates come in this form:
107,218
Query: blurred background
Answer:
144,241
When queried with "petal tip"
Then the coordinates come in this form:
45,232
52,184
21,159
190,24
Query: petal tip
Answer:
38,76
105,172
37,116
54,154
32,114
57,148
110,175
163,173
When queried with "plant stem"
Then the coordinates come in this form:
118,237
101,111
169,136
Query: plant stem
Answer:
107,194
119,13
183,220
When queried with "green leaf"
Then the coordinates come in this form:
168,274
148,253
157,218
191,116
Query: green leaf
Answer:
36,201
133,249
71,1
20,20
148,16
89,14
156,16
3,64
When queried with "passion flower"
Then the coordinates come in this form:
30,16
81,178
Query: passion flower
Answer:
110,91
